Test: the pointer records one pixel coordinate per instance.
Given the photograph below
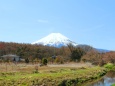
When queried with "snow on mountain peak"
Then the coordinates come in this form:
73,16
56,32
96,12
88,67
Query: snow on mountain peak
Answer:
55,39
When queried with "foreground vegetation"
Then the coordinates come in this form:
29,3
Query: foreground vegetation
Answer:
13,74
53,77
113,84
110,67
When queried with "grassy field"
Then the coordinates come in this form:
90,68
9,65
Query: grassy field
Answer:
113,84
51,75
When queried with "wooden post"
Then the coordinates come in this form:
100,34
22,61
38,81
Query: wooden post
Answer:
6,67
36,68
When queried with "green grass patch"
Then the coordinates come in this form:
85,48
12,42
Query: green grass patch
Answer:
113,84
110,66
57,77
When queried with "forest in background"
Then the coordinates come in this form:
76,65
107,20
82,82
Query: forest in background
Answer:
81,53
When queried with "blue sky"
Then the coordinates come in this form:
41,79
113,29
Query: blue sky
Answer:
89,22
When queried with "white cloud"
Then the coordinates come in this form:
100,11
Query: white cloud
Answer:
43,21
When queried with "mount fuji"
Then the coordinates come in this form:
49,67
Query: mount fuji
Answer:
58,40
55,40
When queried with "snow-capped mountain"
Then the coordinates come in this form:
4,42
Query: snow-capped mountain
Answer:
56,40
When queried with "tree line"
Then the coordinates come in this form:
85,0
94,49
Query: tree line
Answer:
84,53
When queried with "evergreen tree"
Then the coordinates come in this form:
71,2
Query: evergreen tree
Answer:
26,60
44,61
77,54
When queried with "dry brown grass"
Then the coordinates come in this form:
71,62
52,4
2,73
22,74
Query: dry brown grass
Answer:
22,67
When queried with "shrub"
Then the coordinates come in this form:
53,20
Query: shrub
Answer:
109,66
59,60
44,61
26,60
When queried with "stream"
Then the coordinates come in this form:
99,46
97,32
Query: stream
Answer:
107,80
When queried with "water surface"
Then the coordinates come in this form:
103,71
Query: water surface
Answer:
107,80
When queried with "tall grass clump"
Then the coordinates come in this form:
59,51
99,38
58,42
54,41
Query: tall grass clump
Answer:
109,66
113,84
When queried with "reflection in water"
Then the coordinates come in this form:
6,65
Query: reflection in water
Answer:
107,80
